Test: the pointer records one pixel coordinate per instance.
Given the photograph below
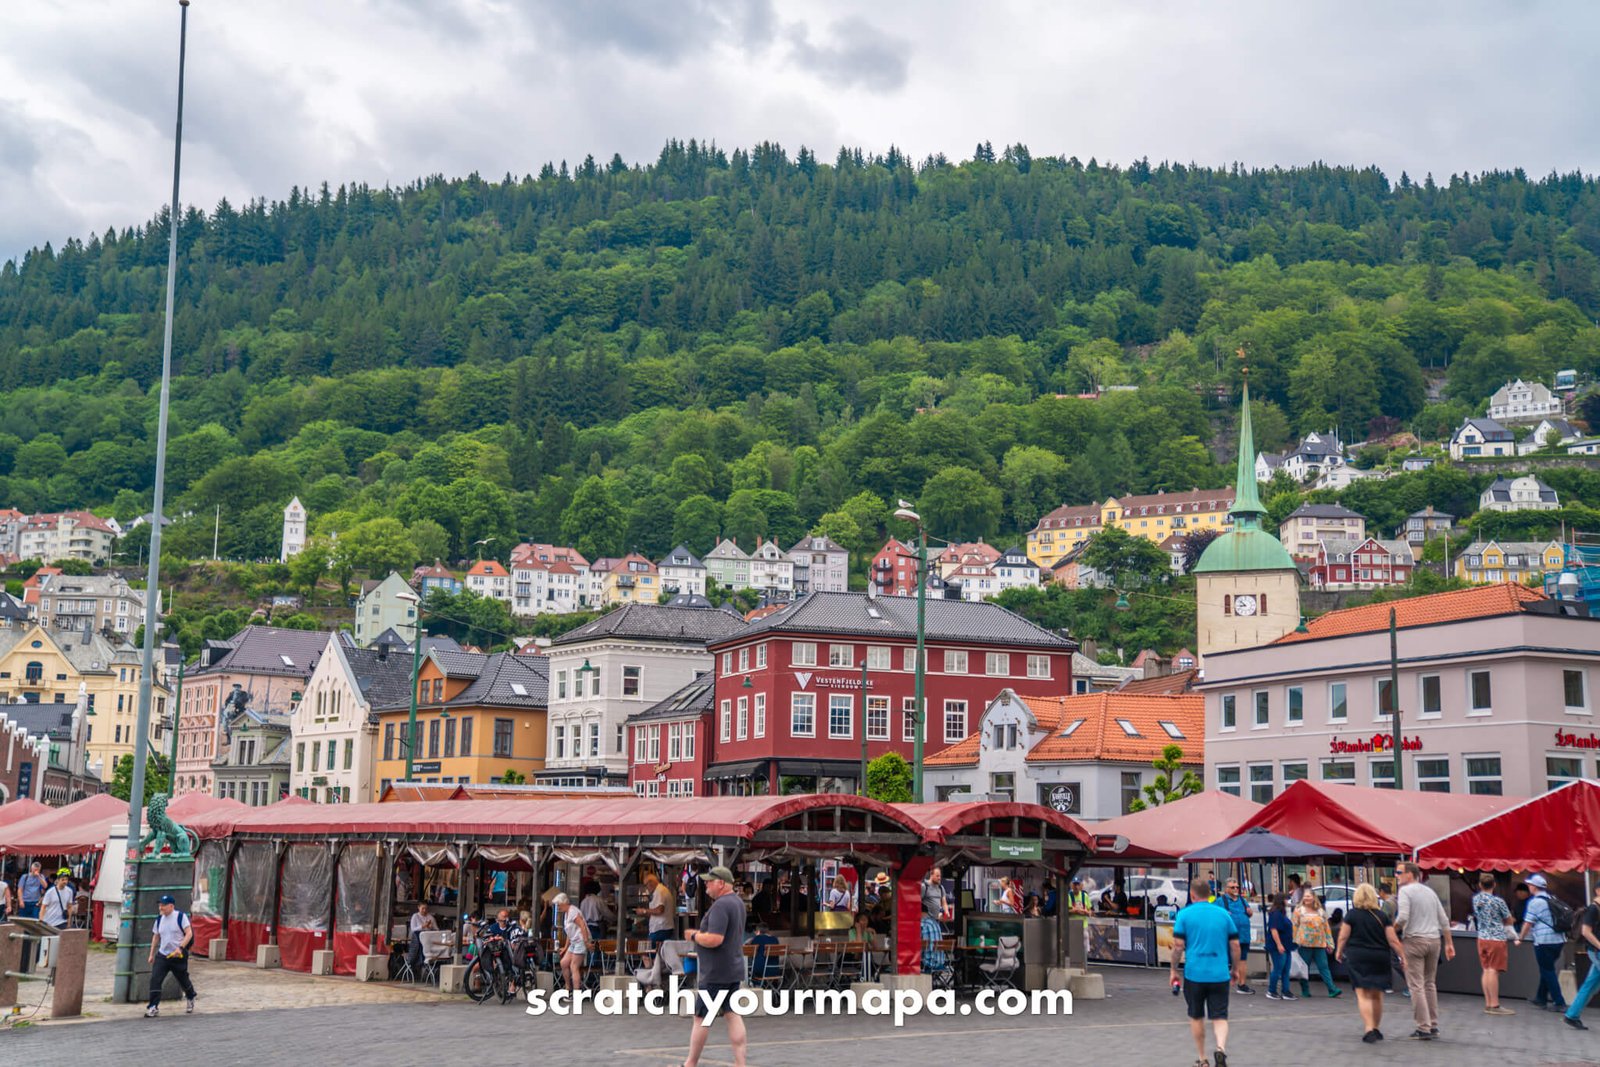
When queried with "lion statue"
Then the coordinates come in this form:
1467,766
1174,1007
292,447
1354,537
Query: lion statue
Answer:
163,832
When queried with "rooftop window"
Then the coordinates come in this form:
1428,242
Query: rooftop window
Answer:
1128,728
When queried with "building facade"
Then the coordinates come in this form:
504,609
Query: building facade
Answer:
630,579
1308,525
771,571
552,580
1478,438
254,767
56,536
294,530
385,604
489,578
1423,526
1523,493
337,715
728,565
1521,401
1365,564
681,573
1495,695
894,570
821,565
1155,517
1485,562
437,576
668,741
92,604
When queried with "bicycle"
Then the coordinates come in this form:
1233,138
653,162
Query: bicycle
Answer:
490,973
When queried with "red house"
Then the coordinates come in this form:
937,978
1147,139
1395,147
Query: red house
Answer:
894,569
670,739
788,696
1367,564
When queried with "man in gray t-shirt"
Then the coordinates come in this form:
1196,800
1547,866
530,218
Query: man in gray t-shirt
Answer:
933,898
719,956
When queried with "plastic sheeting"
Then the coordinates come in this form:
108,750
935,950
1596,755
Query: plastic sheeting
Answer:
210,879
677,857
512,859
434,855
587,856
255,868
306,888
355,905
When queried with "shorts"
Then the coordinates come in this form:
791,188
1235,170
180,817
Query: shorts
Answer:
1244,951
1492,954
702,1004
1206,1000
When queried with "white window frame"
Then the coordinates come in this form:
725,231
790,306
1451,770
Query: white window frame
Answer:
1378,713
804,653
1373,777
841,655
955,661
1260,716
742,719
638,679
725,721
1419,758
1472,708
953,708
727,664
761,655
1290,694
674,742
993,659
1227,708
1234,787
1038,666
797,702
1583,684
744,659
877,718
759,728
1471,779
836,702
908,718
655,744
1283,771
689,731
879,658
1336,761
1343,689
908,660
1271,783
1422,697
1553,781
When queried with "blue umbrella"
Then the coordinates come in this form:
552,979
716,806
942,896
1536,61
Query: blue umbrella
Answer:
1259,843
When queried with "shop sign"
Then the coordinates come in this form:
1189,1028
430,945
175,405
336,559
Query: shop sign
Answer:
25,779
1568,739
832,681
1375,743
1062,798
1015,848
425,767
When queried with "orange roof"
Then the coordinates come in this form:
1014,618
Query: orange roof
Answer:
1175,683
1098,735
488,568
1479,602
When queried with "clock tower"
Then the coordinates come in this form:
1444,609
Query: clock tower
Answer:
1247,587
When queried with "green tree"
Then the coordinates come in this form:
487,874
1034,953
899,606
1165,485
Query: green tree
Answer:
375,548
1033,479
1172,781
959,504
594,522
696,523
889,779
1128,560
512,776
157,776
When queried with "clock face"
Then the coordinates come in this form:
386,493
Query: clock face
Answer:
1244,605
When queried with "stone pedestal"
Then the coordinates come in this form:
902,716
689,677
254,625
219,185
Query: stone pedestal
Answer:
544,981
922,983
322,961
453,978
10,960
217,950
71,956
267,956
373,968
617,981
144,883
1087,987
1061,977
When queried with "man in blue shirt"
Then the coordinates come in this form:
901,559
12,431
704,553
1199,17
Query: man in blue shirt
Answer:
1238,909
1205,948
1548,944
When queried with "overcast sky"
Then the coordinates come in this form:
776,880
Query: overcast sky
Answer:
285,92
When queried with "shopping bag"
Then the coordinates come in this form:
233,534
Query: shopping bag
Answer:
1298,971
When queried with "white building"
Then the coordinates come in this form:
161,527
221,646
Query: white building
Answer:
336,714
294,530
487,578
91,604
551,580
1476,438
57,536
1523,493
1521,401
681,573
611,668
821,565
385,604
1550,433
771,571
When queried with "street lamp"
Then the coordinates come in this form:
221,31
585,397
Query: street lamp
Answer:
416,668
905,514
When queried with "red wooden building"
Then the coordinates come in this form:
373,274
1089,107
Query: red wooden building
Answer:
1365,564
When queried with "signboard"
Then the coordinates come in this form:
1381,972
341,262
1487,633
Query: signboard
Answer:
1063,798
25,779
832,681
1564,739
425,767
1375,743
1015,848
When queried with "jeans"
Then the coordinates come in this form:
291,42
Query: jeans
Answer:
1548,956
1316,960
1590,984
1278,974
160,967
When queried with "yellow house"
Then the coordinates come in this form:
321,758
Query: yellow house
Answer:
38,667
1154,516
478,716
633,579
1508,561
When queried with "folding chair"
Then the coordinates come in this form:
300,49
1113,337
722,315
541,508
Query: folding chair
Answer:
825,957
1002,971
938,960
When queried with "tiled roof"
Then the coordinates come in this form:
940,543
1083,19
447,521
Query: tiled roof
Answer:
381,681
1487,428
41,720
1173,684
488,568
681,557
1086,728
1081,515
896,616
11,607
1429,513
1480,602
459,664
1323,511
262,650
497,677
693,699
1334,547
1500,489
817,543
657,622
430,642
1170,503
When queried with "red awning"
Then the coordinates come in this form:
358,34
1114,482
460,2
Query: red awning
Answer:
1159,835
194,805
79,827
1559,831
17,810
1357,820
945,819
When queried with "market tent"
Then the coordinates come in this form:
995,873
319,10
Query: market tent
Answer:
193,805
22,808
82,826
1258,844
948,819
1158,836
1559,831
1357,821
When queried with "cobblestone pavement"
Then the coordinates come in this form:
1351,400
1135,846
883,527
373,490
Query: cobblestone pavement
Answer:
248,1016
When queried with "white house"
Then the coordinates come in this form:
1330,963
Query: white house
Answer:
1587,446
681,573
1521,401
771,571
1476,438
1550,433
382,605
294,530
487,578
1344,476
551,580
1524,493
821,565
334,719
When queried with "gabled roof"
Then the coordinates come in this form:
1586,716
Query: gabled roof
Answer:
817,543
1487,428
271,650
499,679
681,557
488,568
1088,728
1500,489
726,549
858,614
1323,511
1071,515
694,699
380,681
1174,684
11,608
1479,602
1333,547
1429,513
1513,548
397,643
657,622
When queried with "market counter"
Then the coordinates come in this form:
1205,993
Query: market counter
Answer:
1465,975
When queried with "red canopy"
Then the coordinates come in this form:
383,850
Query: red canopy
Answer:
1559,831
945,819
192,805
79,827
1357,820
17,810
1161,834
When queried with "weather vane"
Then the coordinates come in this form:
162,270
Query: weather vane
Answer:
1243,363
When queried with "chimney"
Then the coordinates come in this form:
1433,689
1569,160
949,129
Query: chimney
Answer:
383,652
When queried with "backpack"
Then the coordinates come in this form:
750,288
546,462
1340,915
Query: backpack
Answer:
1561,916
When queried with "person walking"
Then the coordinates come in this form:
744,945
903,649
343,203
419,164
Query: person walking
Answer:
1548,944
1280,948
577,936
660,911
1491,916
719,947
169,954
1205,948
1424,932
30,887
1589,940
55,906
1366,938
1312,940
1238,908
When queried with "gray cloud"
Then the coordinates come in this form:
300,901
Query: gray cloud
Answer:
665,33
856,54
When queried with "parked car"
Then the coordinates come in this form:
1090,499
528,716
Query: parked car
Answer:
1153,887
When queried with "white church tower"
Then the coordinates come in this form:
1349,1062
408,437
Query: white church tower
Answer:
294,530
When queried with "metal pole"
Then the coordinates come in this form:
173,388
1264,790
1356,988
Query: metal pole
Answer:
861,788
141,741
922,662
1394,697
416,669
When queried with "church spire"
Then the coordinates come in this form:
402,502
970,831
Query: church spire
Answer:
1247,510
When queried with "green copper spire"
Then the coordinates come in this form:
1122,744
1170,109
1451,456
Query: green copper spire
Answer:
1247,509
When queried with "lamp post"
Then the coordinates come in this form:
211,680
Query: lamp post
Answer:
416,669
906,514
177,710
1394,697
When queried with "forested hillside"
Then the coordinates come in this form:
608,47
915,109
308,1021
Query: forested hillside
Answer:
758,343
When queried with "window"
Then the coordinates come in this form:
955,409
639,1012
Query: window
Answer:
466,737
1171,729
33,673
655,743
1131,788
1263,705
1381,772
561,742
802,715
1559,770
743,723
577,682
316,756
1038,666
908,659
955,661
1433,774
761,661
1338,702
1128,728
688,741
1294,772
1003,785
449,741
1261,782
350,750
433,738
744,659
502,737
1479,690
725,720
841,715
1005,735
727,661
674,742
1296,703
641,744
632,681
908,719
877,718
955,720
1431,698
841,655
438,689
1575,691
1383,698
1483,776
878,658
1338,770
1230,714
805,654
997,663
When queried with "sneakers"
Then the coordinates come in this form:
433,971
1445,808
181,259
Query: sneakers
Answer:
1220,1058
188,1006
1576,1024
1272,996
151,1012
1499,1009
1433,1031
1370,1037
1335,992
1246,990
1287,996
1422,1035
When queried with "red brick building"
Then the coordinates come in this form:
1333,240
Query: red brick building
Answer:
787,701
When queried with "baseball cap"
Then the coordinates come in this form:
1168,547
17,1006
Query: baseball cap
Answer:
64,873
1077,881
1538,880
719,873
168,898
